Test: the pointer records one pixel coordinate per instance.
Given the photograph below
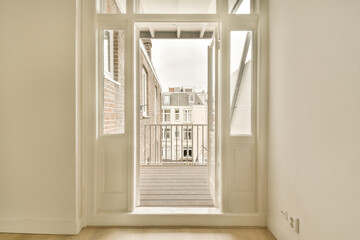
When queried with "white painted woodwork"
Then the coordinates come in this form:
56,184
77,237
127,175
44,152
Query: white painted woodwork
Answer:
57,112
113,157
239,151
237,200
212,73
250,209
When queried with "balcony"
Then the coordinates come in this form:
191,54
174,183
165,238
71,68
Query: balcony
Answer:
169,144
173,166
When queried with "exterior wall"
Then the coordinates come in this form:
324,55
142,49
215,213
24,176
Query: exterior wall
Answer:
114,93
173,147
148,152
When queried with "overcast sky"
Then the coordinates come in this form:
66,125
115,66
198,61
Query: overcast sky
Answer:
180,62
183,62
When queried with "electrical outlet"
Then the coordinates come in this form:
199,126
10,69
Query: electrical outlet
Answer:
284,214
294,222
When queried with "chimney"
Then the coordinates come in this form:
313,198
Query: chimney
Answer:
148,46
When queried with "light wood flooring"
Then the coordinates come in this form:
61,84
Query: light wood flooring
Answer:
174,186
113,233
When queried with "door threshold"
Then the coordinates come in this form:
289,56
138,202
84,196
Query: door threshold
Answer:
176,210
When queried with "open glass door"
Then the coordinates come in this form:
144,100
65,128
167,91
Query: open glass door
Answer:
176,160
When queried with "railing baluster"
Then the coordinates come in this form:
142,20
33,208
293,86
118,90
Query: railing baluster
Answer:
161,144
176,142
171,144
165,143
203,156
197,144
155,148
145,145
187,143
192,143
150,145
181,143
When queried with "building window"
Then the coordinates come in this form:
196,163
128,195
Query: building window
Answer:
144,80
166,115
166,133
187,133
177,135
166,152
187,115
187,152
167,100
191,98
177,114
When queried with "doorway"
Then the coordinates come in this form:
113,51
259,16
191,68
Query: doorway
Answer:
176,145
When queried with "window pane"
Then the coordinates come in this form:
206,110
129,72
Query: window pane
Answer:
113,82
144,90
177,6
240,82
107,52
239,6
113,6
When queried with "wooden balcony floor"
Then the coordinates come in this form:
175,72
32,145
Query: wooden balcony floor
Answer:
174,186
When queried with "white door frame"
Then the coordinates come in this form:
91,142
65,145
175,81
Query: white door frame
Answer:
90,105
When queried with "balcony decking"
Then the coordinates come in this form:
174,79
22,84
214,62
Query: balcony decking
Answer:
174,186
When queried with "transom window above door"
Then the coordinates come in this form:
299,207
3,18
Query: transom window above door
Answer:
175,6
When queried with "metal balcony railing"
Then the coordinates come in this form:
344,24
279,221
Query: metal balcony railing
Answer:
173,144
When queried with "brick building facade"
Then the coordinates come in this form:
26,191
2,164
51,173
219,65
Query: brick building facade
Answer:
114,82
150,106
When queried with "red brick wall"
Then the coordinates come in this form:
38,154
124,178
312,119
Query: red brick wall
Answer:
151,118
114,94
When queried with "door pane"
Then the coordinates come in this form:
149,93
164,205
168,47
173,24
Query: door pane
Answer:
113,82
239,6
240,82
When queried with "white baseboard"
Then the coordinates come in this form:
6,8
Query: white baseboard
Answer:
38,226
277,230
200,220
131,219
80,223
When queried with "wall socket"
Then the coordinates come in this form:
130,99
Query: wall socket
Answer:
294,222
284,214
291,219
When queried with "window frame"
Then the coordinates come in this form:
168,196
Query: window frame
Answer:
145,84
227,21
109,74
164,114
186,114
177,115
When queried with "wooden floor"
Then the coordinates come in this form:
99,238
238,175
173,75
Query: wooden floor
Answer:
113,233
174,186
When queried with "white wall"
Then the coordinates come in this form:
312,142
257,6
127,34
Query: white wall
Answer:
314,118
37,115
